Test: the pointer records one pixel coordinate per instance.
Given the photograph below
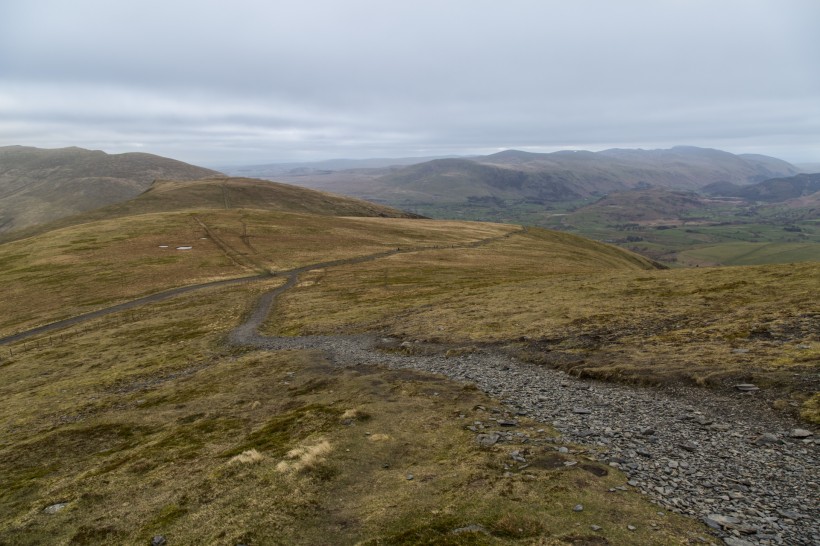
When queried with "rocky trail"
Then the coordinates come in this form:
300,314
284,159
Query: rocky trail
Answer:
749,473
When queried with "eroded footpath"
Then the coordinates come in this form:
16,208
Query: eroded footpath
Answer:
749,473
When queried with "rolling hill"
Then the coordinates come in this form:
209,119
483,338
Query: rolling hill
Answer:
250,193
234,227
221,193
39,185
152,423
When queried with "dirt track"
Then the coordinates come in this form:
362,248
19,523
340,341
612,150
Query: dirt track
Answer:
262,307
153,298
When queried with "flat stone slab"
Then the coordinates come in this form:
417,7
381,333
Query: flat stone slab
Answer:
800,433
747,387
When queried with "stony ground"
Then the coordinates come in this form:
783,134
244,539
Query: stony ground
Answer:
749,473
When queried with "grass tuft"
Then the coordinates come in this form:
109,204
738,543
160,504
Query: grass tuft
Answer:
250,456
811,409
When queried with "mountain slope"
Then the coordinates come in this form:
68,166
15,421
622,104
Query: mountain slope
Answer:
517,176
460,180
38,185
681,167
774,190
221,193
639,206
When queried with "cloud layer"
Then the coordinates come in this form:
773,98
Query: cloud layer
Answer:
260,81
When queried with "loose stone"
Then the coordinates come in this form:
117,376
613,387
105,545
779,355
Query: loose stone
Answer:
765,439
734,541
54,508
473,528
800,433
487,440
747,387
691,447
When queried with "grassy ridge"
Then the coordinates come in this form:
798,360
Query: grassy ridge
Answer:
391,291
248,193
219,193
92,265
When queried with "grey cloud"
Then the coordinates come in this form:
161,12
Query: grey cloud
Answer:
259,81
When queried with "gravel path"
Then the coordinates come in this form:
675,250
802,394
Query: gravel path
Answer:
725,459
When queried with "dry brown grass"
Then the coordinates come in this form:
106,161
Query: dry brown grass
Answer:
134,424
574,310
305,458
250,456
396,290
82,268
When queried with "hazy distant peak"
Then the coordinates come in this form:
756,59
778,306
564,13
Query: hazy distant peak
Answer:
511,154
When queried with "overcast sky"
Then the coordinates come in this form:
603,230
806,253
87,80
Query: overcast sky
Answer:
220,83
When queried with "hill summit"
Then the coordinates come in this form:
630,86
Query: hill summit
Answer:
41,185
251,193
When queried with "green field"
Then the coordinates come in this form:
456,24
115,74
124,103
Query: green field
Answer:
667,232
752,253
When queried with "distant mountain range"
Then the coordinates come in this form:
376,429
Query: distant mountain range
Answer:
39,185
615,186
519,176
684,205
323,167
